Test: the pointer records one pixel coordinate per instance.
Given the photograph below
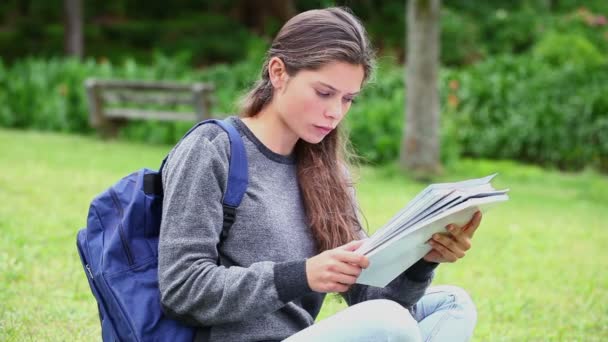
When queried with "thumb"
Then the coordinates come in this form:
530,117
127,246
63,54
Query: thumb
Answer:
352,246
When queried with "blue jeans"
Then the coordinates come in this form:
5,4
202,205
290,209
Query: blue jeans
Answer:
444,313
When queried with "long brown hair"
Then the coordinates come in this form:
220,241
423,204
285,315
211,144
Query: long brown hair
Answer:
309,41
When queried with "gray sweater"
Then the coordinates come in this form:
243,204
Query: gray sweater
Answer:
258,291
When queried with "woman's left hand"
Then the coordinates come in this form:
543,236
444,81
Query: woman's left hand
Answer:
453,246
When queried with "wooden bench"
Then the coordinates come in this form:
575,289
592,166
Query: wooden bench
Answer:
113,102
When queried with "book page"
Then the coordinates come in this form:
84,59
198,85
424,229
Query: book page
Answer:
402,241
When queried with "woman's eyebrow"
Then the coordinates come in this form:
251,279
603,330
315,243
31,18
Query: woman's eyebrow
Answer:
334,89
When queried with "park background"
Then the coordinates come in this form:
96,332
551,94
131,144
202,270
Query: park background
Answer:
523,91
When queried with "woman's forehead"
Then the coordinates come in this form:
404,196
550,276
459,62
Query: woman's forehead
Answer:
340,76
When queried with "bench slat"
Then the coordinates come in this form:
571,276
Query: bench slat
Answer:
149,85
115,97
113,102
128,113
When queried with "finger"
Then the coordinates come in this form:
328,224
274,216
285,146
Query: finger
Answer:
454,230
351,246
343,279
458,231
449,243
472,226
446,254
463,240
464,243
350,257
364,262
345,268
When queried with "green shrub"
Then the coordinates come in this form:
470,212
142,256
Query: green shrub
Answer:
50,94
507,107
375,121
460,39
568,49
521,108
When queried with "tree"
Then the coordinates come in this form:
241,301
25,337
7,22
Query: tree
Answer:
420,143
74,44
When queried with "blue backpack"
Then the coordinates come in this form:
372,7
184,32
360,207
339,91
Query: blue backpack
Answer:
119,249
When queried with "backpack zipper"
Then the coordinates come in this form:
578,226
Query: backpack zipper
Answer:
88,267
103,314
123,239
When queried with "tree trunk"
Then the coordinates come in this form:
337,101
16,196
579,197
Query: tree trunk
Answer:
74,44
420,144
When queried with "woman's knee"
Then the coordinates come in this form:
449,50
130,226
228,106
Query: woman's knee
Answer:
392,322
461,301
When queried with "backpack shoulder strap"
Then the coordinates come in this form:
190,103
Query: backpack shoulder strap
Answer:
237,175
237,170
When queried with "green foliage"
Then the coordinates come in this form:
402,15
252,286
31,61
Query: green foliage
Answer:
460,38
512,31
211,32
521,108
46,95
568,49
203,36
375,120
50,94
507,107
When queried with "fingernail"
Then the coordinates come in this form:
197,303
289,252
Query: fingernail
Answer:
449,227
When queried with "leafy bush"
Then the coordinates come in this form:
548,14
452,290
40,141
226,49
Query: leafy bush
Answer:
568,49
50,94
460,39
506,107
512,31
375,121
521,108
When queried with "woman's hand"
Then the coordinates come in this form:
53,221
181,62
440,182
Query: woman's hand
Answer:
337,269
453,246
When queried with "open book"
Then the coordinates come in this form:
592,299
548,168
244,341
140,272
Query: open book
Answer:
403,240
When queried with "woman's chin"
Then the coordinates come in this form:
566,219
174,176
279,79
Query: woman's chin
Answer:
312,139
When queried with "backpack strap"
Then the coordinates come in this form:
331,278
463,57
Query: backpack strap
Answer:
237,171
237,175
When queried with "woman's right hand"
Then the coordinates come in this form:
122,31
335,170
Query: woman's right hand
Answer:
335,270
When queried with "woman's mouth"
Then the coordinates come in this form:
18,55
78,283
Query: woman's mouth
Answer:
323,129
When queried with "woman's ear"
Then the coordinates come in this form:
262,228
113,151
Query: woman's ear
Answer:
277,73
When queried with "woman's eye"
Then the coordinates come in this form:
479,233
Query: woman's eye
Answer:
349,99
322,94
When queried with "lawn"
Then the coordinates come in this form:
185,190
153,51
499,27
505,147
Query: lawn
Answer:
537,270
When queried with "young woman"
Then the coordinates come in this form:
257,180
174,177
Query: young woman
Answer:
296,229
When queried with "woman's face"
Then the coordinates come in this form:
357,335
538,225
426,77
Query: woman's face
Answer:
312,103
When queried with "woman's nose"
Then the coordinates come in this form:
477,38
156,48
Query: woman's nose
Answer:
335,110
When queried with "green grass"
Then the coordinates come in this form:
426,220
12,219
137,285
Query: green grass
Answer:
537,270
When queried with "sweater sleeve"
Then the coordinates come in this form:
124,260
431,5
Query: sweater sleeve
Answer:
194,288
406,289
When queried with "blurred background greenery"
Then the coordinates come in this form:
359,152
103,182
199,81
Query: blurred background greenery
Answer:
522,80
